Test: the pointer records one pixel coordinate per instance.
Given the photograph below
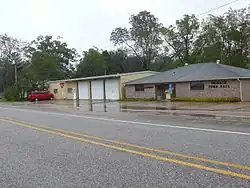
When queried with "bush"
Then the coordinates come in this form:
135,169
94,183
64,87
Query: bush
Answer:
12,94
139,99
234,99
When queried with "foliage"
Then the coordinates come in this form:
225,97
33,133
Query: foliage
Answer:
143,38
49,60
45,66
182,38
228,36
94,62
53,51
234,99
11,54
139,99
225,38
91,64
12,93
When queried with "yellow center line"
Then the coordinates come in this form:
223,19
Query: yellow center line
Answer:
143,147
178,162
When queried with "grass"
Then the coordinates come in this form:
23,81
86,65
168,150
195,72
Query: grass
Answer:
4,100
138,99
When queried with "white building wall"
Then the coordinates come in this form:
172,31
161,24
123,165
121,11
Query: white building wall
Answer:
112,89
97,89
83,90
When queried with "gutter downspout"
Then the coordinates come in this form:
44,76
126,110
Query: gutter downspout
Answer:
241,97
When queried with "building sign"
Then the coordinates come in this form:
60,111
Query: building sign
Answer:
61,84
170,88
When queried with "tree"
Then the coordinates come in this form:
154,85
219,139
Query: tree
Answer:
228,37
92,63
143,38
56,52
181,39
11,56
45,67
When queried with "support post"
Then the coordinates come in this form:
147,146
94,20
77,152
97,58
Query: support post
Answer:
104,96
77,95
241,96
90,96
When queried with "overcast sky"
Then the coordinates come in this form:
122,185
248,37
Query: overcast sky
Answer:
87,23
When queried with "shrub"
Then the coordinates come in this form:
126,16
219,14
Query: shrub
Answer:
12,93
233,99
138,99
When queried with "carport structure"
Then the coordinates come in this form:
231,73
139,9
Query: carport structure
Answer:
110,87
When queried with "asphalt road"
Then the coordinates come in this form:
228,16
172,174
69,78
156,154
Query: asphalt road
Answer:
53,148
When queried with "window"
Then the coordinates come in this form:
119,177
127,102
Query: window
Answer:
55,91
218,84
139,87
197,85
70,90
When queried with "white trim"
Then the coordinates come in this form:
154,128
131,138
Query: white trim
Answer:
182,81
118,75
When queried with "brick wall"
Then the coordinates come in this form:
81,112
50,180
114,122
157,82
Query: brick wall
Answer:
149,92
245,85
183,90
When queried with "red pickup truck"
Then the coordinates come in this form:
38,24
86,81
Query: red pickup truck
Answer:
40,95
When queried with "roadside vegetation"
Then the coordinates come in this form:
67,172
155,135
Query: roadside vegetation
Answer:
183,99
147,44
138,99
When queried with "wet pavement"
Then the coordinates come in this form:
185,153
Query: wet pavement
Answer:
100,104
241,106
211,110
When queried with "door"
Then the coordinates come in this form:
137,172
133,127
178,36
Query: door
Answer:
112,89
83,90
74,93
97,89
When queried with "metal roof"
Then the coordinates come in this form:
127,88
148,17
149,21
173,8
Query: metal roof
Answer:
101,77
195,72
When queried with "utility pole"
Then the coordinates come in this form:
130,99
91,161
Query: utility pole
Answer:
2,79
15,69
15,74
106,57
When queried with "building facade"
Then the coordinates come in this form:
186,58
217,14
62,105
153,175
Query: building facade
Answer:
94,87
198,89
202,80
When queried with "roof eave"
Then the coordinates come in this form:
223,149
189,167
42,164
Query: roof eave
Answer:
101,77
179,81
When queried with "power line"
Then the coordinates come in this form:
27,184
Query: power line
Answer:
216,8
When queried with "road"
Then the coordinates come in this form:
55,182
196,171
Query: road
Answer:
52,148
